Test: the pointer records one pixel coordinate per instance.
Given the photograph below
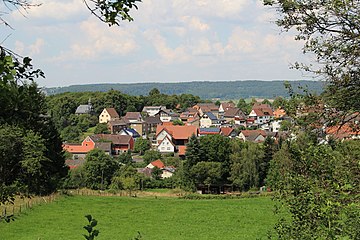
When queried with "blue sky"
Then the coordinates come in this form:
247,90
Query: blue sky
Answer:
169,41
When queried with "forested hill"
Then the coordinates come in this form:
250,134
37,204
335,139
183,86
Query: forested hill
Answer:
203,89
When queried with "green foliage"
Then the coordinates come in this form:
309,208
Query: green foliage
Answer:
246,162
101,128
99,169
112,12
75,178
245,107
319,185
141,145
90,228
71,134
330,31
178,122
156,173
151,155
207,173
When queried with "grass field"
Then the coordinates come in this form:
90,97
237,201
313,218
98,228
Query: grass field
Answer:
155,218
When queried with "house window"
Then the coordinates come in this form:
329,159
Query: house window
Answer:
162,148
168,148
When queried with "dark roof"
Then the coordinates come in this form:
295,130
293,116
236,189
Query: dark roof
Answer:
84,109
209,130
153,120
131,132
105,146
233,112
211,116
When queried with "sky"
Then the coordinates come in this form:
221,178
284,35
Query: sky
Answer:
168,41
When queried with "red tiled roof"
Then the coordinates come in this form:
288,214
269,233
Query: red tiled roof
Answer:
252,132
178,132
158,163
226,131
279,113
341,132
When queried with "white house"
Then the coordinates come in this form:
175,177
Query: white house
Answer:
166,146
153,110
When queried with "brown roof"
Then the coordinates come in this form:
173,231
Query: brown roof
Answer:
153,120
226,131
112,112
262,110
228,105
257,132
233,112
114,138
279,113
133,115
116,122
206,107
178,132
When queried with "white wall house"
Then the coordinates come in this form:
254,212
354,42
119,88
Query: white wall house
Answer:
166,146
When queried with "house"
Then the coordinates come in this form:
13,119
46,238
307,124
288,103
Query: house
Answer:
253,135
107,115
167,171
261,113
167,115
225,106
119,143
157,163
209,131
207,107
151,123
85,108
116,125
130,132
179,135
232,114
153,110
133,117
135,120
208,119
79,151
228,132
166,145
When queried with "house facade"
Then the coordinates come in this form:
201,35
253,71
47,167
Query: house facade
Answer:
107,115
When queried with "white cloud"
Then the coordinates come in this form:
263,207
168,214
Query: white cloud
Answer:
35,48
60,10
195,23
178,54
97,41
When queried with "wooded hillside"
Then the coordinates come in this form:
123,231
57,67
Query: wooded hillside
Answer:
205,90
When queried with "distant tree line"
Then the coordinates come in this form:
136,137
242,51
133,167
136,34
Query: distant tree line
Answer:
225,90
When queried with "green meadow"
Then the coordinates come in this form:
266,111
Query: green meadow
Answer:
155,218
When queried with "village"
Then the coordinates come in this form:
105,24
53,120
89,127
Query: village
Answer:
168,131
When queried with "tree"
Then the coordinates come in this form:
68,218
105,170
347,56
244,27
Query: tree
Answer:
207,173
101,128
156,173
246,108
99,169
151,155
331,31
141,145
245,166
178,122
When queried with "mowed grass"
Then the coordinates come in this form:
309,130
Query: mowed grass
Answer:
154,218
